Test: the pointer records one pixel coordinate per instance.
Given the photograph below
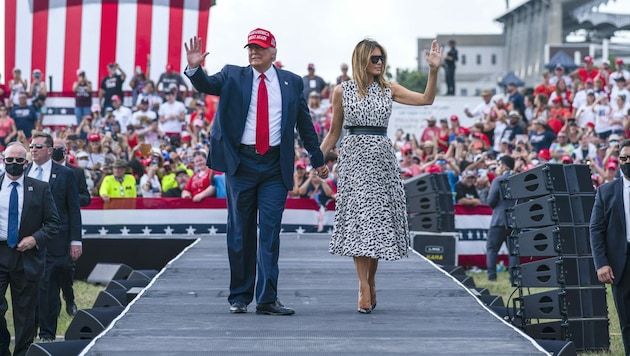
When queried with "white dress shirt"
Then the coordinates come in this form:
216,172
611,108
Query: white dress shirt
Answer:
5,195
626,205
275,109
46,170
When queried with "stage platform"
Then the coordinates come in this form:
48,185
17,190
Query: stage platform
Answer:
421,310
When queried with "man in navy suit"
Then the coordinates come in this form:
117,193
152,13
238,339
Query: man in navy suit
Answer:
67,279
67,243
610,240
499,231
22,265
252,141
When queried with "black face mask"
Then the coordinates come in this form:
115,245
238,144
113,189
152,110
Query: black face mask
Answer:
14,169
625,169
58,154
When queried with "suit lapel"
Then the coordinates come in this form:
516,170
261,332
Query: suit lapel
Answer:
247,79
284,94
54,170
28,195
619,199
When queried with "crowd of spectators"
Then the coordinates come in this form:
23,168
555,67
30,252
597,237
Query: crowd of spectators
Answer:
158,144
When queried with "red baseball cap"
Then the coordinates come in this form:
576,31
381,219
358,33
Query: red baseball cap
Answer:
261,37
434,168
300,163
611,164
94,137
619,61
557,99
405,148
115,97
454,118
169,67
588,59
566,159
544,153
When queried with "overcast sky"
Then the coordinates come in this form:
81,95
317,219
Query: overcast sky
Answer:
325,32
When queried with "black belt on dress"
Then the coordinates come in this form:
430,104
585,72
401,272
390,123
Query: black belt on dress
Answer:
252,148
367,130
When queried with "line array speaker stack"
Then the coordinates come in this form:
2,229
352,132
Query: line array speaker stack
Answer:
431,217
550,223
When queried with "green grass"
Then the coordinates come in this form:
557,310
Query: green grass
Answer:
503,288
84,293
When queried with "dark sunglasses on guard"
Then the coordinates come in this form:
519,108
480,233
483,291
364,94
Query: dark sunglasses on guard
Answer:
375,59
18,160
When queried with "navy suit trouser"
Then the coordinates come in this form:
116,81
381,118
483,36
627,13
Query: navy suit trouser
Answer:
621,296
256,196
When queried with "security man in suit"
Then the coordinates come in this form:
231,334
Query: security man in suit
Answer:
63,186
252,141
28,222
610,240
67,278
499,231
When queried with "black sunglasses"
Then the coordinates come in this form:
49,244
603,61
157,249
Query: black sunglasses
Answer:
375,59
39,146
18,160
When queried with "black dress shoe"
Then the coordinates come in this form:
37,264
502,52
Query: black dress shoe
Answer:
275,308
238,307
71,308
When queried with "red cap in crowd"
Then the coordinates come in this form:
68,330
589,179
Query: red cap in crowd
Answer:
591,124
544,153
611,165
169,67
454,118
405,148
94,137
261,37
434,168
115,97
300,164
557,99
588,59
278,64
566,159
619,61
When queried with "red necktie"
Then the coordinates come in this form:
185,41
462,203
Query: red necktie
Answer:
262,118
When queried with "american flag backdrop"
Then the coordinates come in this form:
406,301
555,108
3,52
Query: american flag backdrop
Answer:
60,36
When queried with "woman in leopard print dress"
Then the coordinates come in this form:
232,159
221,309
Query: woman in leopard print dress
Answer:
370,217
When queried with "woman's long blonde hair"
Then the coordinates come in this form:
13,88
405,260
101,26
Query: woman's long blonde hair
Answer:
361,60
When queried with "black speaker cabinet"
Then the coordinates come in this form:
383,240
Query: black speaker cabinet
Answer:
551,210
586,334
558,347
549,179
566,303
435,222
111,298
147,274
556,272
554,240
103,273
467,281
438,247
431,203
88,323
427,183
452,269
59,348
126,284
491,300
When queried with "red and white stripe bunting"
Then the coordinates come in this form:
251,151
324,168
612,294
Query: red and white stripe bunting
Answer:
60,36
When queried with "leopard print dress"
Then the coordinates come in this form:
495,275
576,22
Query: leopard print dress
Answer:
370,216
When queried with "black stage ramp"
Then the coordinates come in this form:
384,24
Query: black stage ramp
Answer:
420,311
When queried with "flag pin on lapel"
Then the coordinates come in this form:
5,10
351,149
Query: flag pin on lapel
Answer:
54,176
30,189
286,83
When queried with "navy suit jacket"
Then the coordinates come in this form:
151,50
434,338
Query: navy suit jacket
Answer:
63,186
39,219
233,84
608,228
497,203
